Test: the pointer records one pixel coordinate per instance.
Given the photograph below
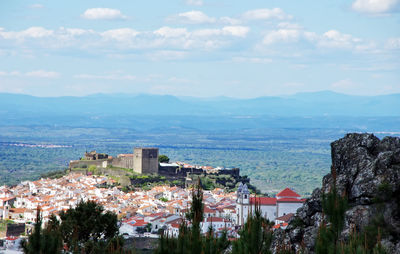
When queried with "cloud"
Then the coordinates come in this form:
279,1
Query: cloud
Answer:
103,13
330,39
43,74
393,43
113,41
238,31
171,32
266,14
192,17
36,6
194,2
32,32
114,76
344,84
120,34
230,21
257,60
167,55
375,6
336,39
282,35
36,74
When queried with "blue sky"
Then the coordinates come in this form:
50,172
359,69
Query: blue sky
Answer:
200,48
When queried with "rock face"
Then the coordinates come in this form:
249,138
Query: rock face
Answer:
368,173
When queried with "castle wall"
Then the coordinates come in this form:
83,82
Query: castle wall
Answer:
123,162
88,163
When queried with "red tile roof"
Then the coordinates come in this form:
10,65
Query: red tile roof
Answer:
287,193
286,217
215,219
263,200
295,200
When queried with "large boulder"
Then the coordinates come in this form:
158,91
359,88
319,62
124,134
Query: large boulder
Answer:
367,171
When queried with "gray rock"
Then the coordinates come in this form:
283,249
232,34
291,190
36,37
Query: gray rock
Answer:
363,163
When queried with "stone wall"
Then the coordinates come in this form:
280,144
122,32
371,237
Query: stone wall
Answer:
123,162
88,163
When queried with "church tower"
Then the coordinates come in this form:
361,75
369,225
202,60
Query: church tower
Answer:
242,204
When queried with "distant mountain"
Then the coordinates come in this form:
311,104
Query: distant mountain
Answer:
325,103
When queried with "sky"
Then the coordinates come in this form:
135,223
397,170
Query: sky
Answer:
201,48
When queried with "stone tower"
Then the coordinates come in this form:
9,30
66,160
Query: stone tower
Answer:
145,160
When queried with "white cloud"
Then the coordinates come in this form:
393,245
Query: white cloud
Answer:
36,74
32,32
375,6
288,25
103,13
265,14
36,6
239,31
194,2
344,84
282,35
115,76
120,34
192,17
257,60
43,74
335,39
393,43
171,32
167,55
230,21
330,39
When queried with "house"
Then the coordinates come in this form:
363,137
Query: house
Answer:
217,224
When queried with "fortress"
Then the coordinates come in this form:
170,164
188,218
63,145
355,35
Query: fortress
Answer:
142,160
145,161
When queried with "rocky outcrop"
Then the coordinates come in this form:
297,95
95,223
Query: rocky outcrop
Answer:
368,173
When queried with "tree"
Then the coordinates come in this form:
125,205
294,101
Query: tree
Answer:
148,227
190,240
83,229
255,236
46,241
86,225
163,158
334,207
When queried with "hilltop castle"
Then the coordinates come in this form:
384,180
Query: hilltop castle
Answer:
143,160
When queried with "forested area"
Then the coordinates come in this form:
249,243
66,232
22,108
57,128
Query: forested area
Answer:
272,158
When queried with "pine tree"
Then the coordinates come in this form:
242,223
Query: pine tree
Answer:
334,207
255,236
190,240
43,241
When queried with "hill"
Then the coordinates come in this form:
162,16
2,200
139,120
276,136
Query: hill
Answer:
323,103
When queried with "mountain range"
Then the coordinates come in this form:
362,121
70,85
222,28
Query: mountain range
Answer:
324,103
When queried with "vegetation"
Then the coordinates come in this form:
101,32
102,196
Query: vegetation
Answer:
334,207
163,158
83,229
190,239
255,236
296,158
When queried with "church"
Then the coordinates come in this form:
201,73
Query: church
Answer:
285,202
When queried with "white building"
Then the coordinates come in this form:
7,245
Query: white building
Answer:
285,202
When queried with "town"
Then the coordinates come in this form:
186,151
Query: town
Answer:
142,213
